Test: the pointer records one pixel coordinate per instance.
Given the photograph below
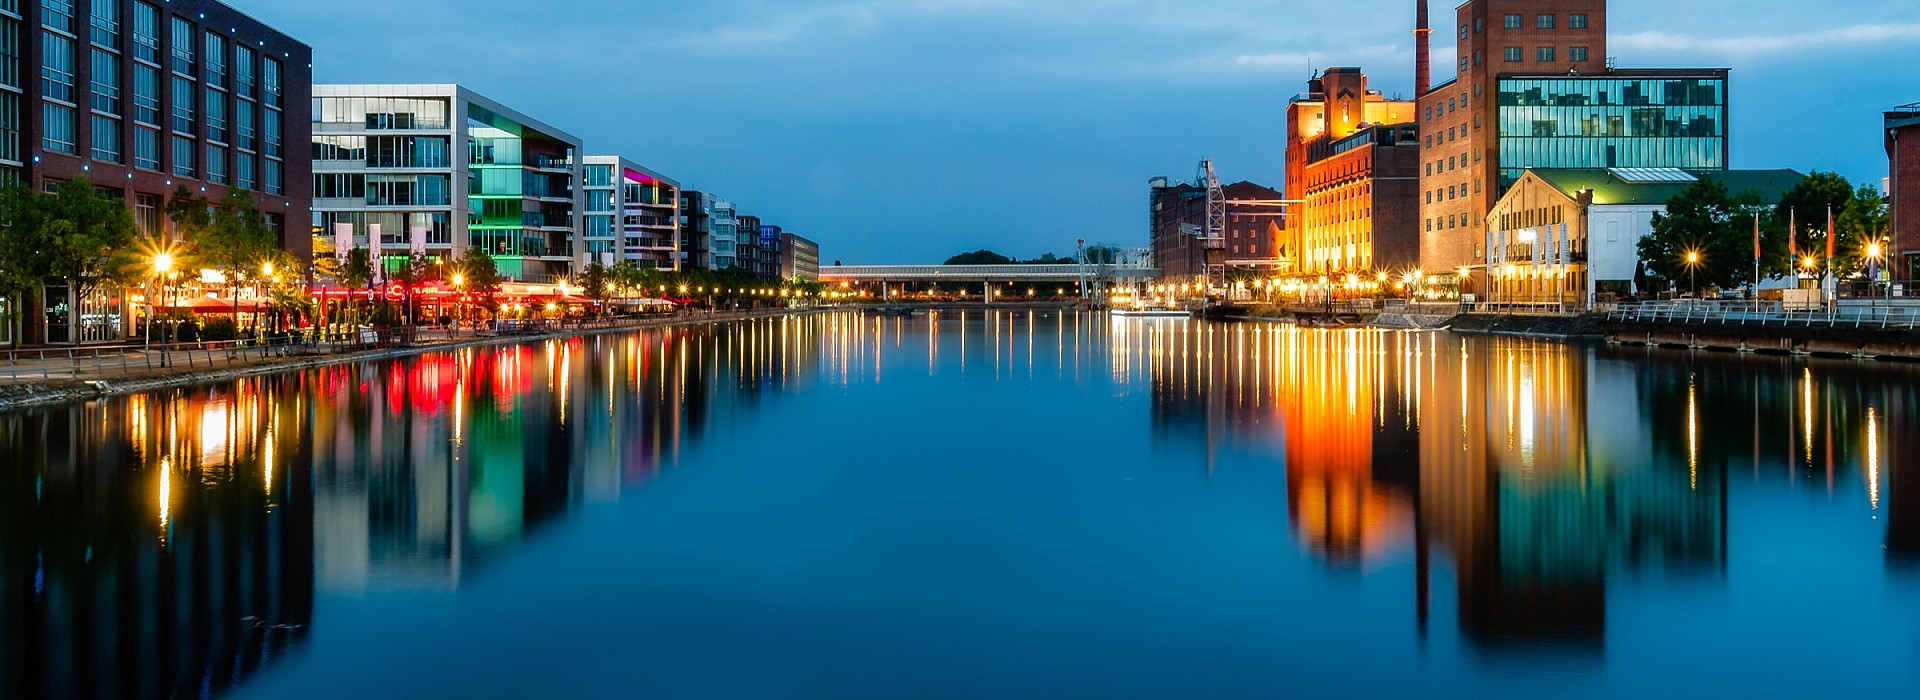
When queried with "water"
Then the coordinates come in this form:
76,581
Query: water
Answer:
1016,505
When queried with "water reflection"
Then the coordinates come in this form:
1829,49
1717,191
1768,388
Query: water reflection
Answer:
1537,470
173,543
1515,494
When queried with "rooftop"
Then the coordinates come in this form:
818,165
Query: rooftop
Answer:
1658,185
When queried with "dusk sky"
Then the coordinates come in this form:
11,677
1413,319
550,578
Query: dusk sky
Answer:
904,131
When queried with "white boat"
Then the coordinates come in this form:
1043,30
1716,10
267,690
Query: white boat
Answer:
1152,313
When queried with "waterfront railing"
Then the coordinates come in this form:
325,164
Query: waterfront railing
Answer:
1770,313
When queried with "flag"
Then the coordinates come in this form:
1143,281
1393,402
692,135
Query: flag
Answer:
1756,238
1829,235
1793,239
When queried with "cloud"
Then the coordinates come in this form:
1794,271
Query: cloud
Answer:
1768,44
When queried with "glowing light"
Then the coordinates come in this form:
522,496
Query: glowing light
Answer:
1873,458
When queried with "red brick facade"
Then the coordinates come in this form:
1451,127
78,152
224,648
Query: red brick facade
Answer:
1903,189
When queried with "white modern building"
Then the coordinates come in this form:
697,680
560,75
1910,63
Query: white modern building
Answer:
1573,236
631,214
436,169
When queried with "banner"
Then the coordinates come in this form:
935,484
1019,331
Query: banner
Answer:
417,240
342,238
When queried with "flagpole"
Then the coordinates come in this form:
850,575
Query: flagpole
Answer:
1755,296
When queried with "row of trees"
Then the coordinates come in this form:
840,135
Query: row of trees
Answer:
1717,225
89,242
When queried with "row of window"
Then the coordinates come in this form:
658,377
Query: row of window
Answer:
1544,54
212,162
104,33
1577,20
1451,192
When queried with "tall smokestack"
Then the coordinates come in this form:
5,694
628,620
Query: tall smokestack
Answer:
1422,63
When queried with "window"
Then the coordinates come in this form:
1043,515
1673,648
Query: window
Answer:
1463,63
1544,55
183,156
242,71
270,73
216,117
106,82
146,213
146,148
1478,58
216,164
106,139
271,125
1463,32
56,72
1543,21
57,14
182,47
1512,21
243,131
106,22
10,126
274,185
216,64
1576,21
243,172
146,94
1513,54
1479,25
183,100
1577,54
146,32
59,128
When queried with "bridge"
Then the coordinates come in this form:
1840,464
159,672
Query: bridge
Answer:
864,274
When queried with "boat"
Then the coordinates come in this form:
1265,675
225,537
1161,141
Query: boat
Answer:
889,311
1151,313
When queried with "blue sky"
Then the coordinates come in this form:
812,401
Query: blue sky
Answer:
902,131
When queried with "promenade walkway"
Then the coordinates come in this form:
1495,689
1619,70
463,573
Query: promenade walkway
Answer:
100,366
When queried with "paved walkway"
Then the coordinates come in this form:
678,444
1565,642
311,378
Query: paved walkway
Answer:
123,363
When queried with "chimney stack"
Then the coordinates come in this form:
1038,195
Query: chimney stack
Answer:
1422,64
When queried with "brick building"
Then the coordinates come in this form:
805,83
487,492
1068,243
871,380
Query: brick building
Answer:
1178,216
146,97
1353,157
1903,190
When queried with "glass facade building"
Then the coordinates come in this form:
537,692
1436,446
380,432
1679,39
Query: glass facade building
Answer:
1619,120
436,169
632,214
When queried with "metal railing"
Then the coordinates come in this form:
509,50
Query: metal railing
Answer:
1770,313
139,360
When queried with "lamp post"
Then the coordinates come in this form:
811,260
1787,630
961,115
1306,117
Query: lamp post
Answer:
1693,266
459,300
162,266
1873,266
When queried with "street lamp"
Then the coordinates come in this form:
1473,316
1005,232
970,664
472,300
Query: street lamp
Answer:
162,265
459,300
1873,265
1693,265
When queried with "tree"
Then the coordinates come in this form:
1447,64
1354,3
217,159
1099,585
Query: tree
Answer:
23,267
233,238
480,276
980,257
89,238
1865,221
594,281
1714,227
355,269
1807,206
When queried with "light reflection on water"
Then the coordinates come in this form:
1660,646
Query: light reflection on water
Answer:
1478,515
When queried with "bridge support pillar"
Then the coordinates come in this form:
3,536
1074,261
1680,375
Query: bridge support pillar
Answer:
986,292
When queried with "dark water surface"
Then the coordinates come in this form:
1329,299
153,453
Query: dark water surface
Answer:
1012,505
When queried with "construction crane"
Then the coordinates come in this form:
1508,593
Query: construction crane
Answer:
1213,234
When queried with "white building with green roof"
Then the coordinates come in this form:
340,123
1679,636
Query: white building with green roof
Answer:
1571,237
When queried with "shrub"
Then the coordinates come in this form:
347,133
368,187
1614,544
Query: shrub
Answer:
219,329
